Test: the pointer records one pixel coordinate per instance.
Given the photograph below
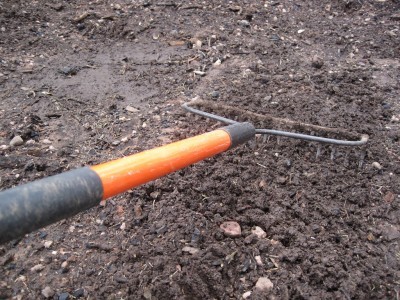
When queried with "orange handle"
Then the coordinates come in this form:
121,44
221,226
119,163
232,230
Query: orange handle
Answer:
125,173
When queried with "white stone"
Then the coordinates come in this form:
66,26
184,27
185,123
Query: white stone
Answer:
246,295
259,260
16,141
377,165
259,232
264,284
190,250
47,244
37,268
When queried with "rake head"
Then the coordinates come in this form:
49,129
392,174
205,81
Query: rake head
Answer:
338,137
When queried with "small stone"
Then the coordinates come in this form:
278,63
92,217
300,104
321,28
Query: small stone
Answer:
30,142
190,250
395,119
231,229
301,30
264,284
115,143
123,226
246,294
47,244
259,232
69,71
244,23
47,292
63,296
80,26
377,165
197,44
200,73
37,268
124,139
3,147
215,94
217,63
259,261
78,293
16,141
46,141
196,235
64,265
131,109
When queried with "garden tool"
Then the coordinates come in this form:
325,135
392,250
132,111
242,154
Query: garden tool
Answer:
31,206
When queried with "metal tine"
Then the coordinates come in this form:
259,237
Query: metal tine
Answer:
333,152
266,138
347,158
253,144
361,159
319,150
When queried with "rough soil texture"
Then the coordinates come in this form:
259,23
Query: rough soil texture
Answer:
68,71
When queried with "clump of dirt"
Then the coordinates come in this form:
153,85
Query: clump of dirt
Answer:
85,82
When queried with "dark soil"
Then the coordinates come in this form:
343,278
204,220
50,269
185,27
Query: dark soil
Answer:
69,69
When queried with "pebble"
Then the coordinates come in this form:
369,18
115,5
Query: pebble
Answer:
131,109
377,165
195,236
3,147
231,229
246,295
47,292
64,265
47,244
259,232
63,296
125,139
30,142
264,284
46,141
78,293
259,261
215,94
190,250
115,143
244,23
16,141
201,73
395,119
217,63
37,268
123,226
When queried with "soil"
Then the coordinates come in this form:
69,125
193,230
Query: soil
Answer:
68,71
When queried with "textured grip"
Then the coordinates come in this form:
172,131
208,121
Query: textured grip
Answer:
28,207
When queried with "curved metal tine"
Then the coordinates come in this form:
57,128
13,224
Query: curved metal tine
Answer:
361,159
333,153
347,157
319,151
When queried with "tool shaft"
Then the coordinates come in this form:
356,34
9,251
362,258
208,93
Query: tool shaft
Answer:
28,207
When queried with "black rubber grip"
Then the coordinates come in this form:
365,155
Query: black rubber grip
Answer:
28,207
240,133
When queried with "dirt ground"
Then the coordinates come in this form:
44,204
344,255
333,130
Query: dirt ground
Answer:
85,82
